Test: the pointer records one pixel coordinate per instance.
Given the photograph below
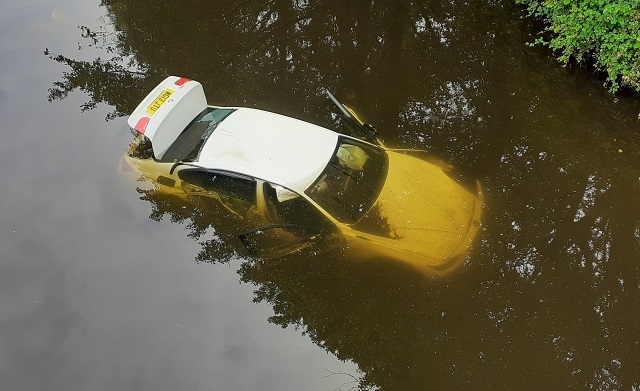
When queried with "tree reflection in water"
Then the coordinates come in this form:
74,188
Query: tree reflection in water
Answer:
523,313
548,299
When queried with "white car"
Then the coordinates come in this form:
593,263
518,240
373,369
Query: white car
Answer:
290,183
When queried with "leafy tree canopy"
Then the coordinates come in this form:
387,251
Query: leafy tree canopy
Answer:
603,31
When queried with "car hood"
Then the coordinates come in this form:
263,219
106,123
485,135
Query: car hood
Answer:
421,210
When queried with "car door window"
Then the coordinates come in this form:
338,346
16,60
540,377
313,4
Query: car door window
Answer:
235,193
286,207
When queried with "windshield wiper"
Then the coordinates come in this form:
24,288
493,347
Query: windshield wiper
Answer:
368,131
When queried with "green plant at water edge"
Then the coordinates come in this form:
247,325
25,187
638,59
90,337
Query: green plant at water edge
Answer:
603,31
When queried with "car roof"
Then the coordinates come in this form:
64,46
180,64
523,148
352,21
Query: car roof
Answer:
269,146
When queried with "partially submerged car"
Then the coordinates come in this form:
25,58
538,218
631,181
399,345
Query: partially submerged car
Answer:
291,184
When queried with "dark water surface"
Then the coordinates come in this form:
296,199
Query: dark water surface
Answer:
107,284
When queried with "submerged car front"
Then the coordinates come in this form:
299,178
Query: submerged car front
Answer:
391,204
421,217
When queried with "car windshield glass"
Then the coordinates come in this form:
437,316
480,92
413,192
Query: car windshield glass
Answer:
351,182
187,146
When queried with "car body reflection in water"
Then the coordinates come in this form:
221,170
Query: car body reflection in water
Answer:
290,184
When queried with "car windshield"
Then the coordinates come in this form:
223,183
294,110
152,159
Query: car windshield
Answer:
187,146
351,182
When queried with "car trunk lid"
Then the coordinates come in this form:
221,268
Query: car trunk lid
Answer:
166,111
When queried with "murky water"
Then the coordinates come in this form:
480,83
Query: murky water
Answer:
106,285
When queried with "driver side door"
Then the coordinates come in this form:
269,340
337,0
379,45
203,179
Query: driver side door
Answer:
294,224
231,194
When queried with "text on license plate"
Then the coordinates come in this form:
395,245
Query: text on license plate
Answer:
164,96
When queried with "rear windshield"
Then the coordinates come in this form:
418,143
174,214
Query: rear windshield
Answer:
187,146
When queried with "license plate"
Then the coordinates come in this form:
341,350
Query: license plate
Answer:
164,96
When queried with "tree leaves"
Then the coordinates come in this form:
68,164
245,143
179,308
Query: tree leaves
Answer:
605,32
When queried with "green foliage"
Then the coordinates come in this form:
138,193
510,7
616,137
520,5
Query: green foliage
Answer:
603,31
